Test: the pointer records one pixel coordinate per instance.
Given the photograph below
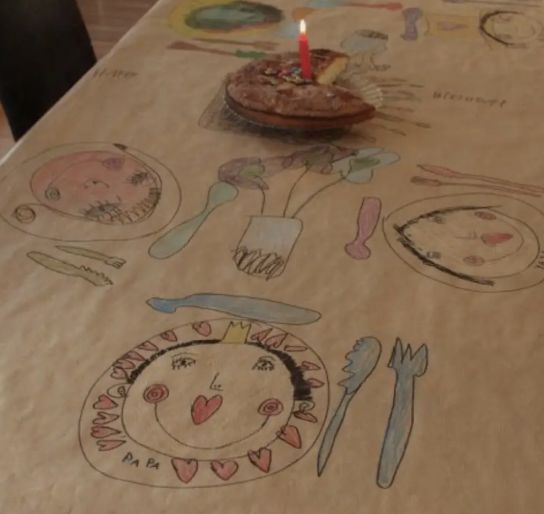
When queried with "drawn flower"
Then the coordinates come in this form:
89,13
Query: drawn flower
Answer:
246,172
319,158
360,168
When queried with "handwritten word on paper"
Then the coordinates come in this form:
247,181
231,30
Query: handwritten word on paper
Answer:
113,73
458,97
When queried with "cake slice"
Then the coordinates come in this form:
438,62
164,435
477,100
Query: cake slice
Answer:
271,91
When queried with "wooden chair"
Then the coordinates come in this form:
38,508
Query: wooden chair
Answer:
44,50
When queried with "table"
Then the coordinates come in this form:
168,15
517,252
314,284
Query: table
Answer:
201,315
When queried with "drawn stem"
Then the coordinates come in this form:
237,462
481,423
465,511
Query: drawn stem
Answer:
263,200
291,191
312,196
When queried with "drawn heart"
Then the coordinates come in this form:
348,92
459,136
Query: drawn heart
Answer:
101,432
119,374
291,435
103,418
202,408
305,416
148,345
224,469
169,335
495,238
309,366
185,469
203,328
275,341
135,356
125,364
104,402
261,336
262,459
105,445
314,382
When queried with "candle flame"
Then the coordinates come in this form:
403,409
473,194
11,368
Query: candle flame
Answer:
302,27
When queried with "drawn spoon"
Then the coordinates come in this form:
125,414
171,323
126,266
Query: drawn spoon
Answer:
178,237
243,306
369,214
362,361
249,54
390,6
401,419
446,172
438,183
260,45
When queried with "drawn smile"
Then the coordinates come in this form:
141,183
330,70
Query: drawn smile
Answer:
207,410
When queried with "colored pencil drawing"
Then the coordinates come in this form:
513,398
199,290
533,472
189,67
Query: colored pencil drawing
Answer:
499,28
478,242
259,309
407,368
90,192
367,220
208,404
266,245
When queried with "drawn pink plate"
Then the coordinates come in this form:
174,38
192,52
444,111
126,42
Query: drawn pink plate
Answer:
479,242
90,192
207,404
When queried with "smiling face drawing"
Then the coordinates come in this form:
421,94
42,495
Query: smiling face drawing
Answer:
103,187
511,28
212,410
479,245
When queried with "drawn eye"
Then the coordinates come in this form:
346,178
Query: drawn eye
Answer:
52,193
264,364
182,361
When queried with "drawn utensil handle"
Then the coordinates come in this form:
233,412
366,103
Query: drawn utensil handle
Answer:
330,434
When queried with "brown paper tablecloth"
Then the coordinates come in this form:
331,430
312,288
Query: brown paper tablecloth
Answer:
139,186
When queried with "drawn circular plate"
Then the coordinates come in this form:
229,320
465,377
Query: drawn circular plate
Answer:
90,192
211,19
213,403
479,242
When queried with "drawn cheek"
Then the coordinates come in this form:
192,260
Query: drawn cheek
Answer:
270,407
473,260
156,393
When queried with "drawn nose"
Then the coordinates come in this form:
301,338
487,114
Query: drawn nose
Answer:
495,238
215,384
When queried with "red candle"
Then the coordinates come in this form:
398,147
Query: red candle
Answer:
304,52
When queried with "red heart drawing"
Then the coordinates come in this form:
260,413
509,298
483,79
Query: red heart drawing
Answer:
314,382
224,469
119,373
105,445
309,366
203,328
291,435
101,432
275,341
125,364
260,336
305,416
185,469
262,459
169,335
104,418
202,408
148,345
104,402
135,356
495,238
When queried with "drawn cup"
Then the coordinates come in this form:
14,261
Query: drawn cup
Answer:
265,246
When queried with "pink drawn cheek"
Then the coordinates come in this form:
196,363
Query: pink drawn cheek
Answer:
270,407
474,260
156,393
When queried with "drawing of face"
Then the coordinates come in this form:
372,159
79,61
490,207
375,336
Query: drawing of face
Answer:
232,16
104,187
208,396
511,28
210,403
469,242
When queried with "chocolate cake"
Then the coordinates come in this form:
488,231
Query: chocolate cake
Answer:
271,91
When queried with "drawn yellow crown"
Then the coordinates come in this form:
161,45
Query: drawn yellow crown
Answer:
237,333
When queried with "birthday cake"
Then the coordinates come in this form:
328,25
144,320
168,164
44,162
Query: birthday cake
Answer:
272,91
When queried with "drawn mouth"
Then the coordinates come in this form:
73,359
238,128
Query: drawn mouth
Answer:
203,409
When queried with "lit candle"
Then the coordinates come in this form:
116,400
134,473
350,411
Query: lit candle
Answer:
304,52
